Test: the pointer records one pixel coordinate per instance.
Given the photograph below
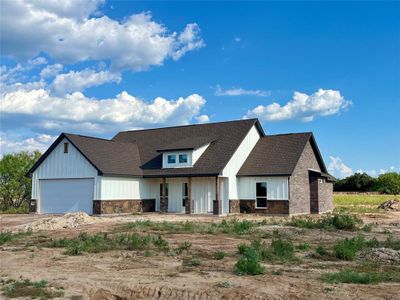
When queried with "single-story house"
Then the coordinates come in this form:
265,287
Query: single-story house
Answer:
215,168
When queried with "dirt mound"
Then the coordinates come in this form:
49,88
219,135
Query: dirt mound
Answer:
381,255
392,204
69,220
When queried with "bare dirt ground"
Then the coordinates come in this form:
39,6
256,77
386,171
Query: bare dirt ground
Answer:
132,275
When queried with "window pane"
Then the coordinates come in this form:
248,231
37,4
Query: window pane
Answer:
261,189
171,159
185,189
261,202
183,158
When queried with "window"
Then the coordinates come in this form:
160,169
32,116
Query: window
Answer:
166,190
65,147
261,195
171,159
185,193
183,158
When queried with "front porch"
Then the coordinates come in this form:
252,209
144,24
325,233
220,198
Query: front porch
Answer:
193,195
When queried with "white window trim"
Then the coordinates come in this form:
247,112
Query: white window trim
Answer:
266,196
170,155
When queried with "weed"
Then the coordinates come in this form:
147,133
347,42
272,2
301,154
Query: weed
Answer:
330,222
182,247
279,250
350,276
367,227
320,250
148,253
26,288
223,284
249,263
303,246
219,255
348,248
160,243
193,262
392,242
6,237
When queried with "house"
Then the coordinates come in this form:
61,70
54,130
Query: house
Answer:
218,168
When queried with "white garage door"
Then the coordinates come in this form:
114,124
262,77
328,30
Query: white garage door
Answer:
66,195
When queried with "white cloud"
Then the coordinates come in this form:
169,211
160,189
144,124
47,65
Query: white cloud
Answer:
51,70
37,61
75,81
239,92
376,173
337,168
69,32
202,119
237,39
75,111
40,142
302,106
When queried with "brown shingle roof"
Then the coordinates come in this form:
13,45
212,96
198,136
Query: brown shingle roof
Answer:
225,136
278,155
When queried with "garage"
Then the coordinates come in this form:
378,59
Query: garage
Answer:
59,196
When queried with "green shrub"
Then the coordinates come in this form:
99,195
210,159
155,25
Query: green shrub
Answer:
392,242
283,249
367,227
348,248
249,264
193,262
330,222
320,250
160,243
6,236
350,276
182,247
219,255
25,288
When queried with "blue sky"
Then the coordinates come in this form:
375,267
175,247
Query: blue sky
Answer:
96,67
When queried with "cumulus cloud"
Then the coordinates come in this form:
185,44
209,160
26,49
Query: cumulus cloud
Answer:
240,92
303,107
39,142
376,173
76,111
72,31
51,70
77,81
203,119
337,168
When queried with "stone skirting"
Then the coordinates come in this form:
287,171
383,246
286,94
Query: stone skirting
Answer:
123,206
280,207
234,206
216,207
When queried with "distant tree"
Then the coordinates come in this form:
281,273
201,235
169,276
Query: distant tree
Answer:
358,182
15,187
388,183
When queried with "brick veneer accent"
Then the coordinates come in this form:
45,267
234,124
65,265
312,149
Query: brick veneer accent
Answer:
123,206
216,204
325,196
280,207
234,206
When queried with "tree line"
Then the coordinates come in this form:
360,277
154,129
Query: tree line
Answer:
388,183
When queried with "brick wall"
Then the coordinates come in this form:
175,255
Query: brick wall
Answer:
325,196
299,182
280,207
123,206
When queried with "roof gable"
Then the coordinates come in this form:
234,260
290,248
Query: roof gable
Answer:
276,155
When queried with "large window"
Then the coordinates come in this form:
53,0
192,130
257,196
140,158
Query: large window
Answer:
171,158
261,195
183,158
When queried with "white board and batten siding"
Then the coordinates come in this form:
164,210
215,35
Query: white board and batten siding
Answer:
127,188
277,187
59,165
238,159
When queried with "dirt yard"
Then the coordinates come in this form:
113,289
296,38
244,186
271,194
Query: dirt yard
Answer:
196,272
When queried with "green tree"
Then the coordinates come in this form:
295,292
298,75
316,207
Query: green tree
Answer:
358,182
15,187
388,183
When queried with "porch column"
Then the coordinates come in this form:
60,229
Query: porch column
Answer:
217,201
188,203
163,198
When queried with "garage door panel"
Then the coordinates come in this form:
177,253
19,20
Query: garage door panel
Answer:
66,195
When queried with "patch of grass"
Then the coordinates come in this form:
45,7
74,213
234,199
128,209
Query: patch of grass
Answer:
249,263
161,243
373,200
219,255
303,246
321,250
192,262
392,242
223,284
27,288
367,227
231,226
347,249
183,247
329,222
350,276
6,237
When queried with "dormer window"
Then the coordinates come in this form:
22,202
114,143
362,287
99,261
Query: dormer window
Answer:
172,158
65,147
183,158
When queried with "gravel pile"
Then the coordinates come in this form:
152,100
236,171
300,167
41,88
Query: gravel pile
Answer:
381,255
69,220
